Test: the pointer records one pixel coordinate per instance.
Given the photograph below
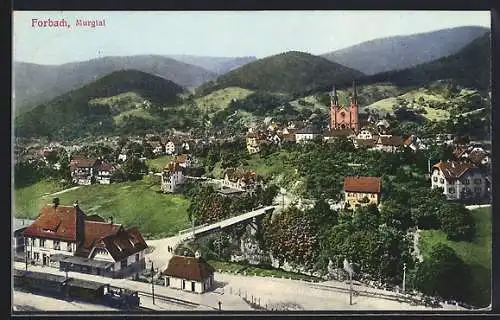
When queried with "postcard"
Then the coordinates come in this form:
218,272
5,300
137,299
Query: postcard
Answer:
253,161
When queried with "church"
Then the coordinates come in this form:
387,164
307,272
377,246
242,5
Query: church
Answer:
344,117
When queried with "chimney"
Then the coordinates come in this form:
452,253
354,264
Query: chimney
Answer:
55,201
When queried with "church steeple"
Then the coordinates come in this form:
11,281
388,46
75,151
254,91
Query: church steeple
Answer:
354,96
334,97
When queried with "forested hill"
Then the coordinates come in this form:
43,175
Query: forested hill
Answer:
35,84
402,52
470,67
292,72
73,114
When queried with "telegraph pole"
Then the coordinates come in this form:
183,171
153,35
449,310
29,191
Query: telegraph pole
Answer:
404,277
350,288
192,225
152,282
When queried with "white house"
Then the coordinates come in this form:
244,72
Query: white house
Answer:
459,180
414,143
171,177
170,148
104,173
191,274
367,134
241,180
307,134
83,170
158,148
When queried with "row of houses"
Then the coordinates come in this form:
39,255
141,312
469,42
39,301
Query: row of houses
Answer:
366,138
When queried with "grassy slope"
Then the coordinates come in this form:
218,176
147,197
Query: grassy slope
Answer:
136,203
158,163
28,200
432,114
477,254
220,99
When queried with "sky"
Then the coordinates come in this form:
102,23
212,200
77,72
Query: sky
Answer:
223,34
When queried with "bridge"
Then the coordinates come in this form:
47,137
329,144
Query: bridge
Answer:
225,223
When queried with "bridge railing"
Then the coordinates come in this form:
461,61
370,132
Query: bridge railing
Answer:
191,229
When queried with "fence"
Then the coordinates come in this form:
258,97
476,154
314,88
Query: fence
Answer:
254,301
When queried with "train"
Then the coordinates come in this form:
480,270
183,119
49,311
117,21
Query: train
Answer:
70,288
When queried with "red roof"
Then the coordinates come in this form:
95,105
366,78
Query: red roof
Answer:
188,268
172,167
105,167
96,231
83,162
453,169
362,184
124,243
55,223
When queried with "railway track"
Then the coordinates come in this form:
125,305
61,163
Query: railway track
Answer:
171,300
364,293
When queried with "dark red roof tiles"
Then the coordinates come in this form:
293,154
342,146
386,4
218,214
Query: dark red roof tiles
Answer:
454,169
54,223
362,184
188,268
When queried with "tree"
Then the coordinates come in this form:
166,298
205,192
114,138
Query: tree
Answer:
457,222
134,169
366,217
443,274
396,215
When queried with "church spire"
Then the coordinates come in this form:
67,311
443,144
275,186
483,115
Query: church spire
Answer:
354,98
334,97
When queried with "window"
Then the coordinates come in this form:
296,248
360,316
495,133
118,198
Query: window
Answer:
451,190
69,246
36,256
42,243
123,263
435,179
137,257
477,190
477,181
467,181
441,180
57,245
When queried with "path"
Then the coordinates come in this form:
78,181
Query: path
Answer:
476,206
61,192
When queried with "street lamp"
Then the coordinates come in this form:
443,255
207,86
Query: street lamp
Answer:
152,282
404,277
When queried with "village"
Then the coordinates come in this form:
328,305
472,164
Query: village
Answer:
66,239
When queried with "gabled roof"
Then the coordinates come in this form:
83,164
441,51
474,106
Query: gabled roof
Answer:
477,156
181,158
105,167
124,243
390,140
454,169
83,162
55,222
95,231
188,268
235,175
289,137
172,167
308,130
362,184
